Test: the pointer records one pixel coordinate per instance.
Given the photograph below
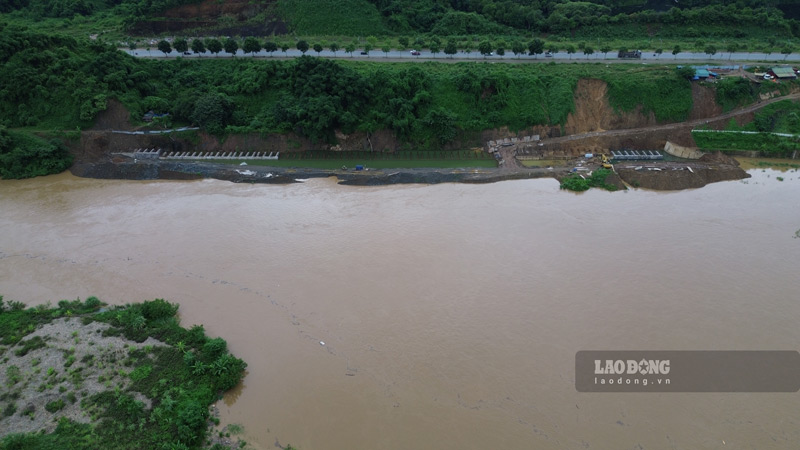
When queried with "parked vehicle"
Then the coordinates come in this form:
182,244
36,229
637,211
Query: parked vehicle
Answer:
636,54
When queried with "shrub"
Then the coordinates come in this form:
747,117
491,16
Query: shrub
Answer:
214,348
9,410
158,309
55,406
26,156
92,302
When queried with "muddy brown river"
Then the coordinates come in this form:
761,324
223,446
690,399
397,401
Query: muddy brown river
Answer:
450,314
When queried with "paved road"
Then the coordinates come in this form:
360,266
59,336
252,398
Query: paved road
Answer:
425,55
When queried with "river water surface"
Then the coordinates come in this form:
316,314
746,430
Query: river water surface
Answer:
450,314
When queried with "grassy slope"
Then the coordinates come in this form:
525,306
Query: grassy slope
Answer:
332,17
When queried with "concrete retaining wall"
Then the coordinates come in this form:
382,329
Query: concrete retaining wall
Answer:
682,152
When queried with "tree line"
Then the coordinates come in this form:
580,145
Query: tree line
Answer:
61,83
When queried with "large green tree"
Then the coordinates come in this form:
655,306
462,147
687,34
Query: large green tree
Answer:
251,45
302,46
231,46
450,49
164,47
270,47
518,48
214,46
198,46
536,47
212,112
181,45
485,47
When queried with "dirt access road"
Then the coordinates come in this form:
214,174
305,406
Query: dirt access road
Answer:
512,163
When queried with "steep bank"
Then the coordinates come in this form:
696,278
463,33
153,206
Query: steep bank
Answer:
594,127
592,113
127,169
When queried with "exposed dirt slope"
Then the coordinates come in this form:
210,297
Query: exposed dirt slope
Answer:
594,113
649,137
213,9
214,18
115,117
704,102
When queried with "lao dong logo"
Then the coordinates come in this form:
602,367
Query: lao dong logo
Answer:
631,367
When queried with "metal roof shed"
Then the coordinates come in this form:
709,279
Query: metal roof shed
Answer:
784,72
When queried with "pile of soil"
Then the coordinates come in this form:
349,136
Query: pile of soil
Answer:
719,158
677,176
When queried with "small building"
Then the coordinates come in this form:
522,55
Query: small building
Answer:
783,73
702,73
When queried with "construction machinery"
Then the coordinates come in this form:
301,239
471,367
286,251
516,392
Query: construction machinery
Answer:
606,162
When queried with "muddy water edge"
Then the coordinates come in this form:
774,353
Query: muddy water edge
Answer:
450,314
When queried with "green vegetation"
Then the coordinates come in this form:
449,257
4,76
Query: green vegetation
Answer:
332,17
649,25
426,105
54,406
768,144
753,25
33,343
735,92
666,94
597,179
25,155
53,79
777,164
780,117
180,379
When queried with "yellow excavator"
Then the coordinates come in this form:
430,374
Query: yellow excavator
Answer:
606,162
